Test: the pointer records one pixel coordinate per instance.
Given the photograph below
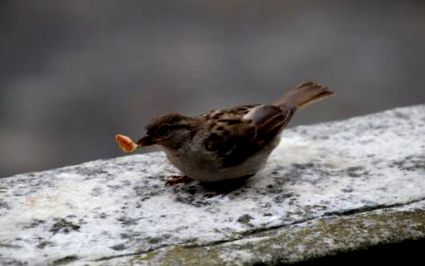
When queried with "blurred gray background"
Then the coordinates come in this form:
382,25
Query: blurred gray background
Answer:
74,73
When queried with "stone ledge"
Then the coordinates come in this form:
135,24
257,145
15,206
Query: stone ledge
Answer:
328,188
303,241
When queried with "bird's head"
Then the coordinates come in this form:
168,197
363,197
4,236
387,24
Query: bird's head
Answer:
169,131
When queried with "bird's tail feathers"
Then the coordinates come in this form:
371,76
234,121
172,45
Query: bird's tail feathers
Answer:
303,95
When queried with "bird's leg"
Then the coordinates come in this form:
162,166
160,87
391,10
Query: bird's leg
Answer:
177,179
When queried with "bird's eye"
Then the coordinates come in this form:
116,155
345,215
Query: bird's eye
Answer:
163,130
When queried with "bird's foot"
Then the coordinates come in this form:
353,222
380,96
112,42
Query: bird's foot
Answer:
177,179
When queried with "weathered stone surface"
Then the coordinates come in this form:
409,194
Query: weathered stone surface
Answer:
328,188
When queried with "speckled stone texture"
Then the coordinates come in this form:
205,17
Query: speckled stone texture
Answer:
328,188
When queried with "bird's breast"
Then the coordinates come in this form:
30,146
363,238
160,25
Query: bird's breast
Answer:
203,165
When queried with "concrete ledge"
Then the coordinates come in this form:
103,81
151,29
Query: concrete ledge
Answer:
299,242
328,188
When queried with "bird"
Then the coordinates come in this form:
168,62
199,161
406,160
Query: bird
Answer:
225,144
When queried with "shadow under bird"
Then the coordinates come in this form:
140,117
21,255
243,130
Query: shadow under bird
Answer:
226,144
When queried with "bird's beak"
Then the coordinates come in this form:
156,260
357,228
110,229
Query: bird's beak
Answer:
146,141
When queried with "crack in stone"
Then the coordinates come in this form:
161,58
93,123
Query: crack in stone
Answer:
372,208
270,228
136,253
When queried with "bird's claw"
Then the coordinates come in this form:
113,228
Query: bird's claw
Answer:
177,179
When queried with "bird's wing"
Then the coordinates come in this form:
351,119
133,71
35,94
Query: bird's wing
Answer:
235,134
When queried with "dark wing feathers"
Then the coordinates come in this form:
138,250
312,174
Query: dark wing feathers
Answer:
272,121
235,138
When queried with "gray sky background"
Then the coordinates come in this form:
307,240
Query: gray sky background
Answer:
74,73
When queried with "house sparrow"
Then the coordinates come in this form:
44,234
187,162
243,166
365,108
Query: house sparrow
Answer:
225,144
